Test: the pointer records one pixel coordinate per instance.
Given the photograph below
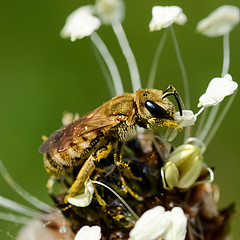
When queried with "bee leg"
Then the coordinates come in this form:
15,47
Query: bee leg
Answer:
99,199
117,156
82,177
127,189
86,171
125,169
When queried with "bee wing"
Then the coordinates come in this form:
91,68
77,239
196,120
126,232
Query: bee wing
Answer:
62,138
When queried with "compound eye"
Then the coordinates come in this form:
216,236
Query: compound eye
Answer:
156,110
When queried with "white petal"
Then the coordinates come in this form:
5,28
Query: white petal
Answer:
88,233
163,17
80,23
152,224
187,119
84,199
178,228
110,11
217,90
219,22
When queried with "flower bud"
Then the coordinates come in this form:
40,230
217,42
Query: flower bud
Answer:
183,167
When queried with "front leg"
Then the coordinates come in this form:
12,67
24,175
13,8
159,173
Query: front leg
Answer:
87,169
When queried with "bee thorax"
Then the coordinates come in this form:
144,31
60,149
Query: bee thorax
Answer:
126,133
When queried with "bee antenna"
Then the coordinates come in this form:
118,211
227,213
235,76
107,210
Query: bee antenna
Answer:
174,92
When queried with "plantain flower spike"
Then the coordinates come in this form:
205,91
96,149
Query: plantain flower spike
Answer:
219,22
183,167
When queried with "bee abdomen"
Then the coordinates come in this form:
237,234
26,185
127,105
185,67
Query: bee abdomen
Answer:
57,163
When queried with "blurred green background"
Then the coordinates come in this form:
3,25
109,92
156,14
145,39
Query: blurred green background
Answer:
43,75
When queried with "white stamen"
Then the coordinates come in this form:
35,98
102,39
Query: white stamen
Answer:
14,218
217,90
163,17
24,194
157,223
127,52
120,198
109,62
182,69
84,199
88,233
17,207
80,23
154,66
219,22
110,11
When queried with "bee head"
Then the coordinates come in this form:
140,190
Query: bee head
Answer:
153,106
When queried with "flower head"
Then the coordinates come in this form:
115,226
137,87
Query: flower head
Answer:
219,22
89,233
110,11
157,222
217,90
80,23
163,17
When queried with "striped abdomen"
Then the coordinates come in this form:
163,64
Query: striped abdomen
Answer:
58,162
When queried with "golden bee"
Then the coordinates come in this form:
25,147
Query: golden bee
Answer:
93,136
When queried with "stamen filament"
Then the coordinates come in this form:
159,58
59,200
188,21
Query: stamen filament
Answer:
13,218
225,68
153,70
120,198
127,52
209,123
201,122
220,119
107,57
106,74
24,194
182,68
17,207
226,54
199,112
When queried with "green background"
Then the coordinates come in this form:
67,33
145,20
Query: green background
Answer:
42,75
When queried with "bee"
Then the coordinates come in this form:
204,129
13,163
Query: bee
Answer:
93,136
